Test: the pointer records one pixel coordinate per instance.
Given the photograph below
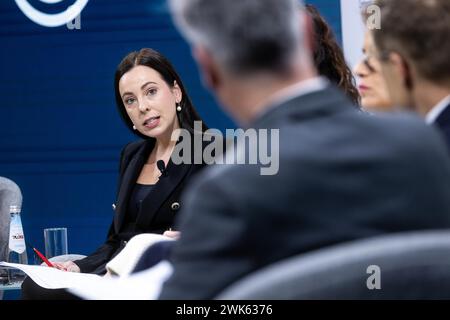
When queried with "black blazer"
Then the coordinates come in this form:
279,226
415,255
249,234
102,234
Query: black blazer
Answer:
157,211
443,123
343,175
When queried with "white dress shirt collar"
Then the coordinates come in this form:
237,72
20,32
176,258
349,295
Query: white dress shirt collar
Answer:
436,111
296,90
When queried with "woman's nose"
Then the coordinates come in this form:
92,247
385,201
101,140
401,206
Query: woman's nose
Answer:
359,69
143,107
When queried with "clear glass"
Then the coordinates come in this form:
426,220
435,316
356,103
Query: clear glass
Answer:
55,242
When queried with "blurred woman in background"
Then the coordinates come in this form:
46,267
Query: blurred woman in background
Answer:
329,57
372,87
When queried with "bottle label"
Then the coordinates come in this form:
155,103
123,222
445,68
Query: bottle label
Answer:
16,237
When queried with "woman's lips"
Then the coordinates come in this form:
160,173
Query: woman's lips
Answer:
363,88
151,123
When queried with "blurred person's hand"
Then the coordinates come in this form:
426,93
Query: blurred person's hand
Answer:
108,274
69,266
172,234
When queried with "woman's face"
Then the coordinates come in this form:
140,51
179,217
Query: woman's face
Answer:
372,87
150,102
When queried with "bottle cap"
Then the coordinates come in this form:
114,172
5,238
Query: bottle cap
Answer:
14,209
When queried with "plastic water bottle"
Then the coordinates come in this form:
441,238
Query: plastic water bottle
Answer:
17,248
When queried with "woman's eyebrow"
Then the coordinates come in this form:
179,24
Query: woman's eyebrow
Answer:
142,87
147,83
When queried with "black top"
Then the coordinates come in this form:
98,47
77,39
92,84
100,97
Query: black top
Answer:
140,192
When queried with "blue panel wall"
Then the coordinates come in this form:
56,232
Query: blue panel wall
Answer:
60,135
331,10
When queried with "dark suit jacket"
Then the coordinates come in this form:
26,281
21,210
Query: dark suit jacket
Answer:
343,175
157,211
443,123
153,255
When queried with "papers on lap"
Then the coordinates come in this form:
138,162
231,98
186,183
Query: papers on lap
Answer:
124,263
144,285
52,278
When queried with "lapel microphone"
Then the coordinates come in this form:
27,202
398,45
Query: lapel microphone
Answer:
162,167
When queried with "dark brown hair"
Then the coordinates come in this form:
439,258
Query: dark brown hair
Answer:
418,30
329,57
156,61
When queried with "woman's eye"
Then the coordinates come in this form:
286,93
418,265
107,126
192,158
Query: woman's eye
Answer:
151,92
129,101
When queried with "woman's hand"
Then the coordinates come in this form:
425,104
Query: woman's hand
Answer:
172,234
69,266
108,274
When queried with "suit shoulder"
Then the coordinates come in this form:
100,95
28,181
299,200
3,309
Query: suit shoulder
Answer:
226,178
396,124
408,131
407,124
128,151
132,147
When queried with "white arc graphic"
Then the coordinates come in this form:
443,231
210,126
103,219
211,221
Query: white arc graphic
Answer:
51,20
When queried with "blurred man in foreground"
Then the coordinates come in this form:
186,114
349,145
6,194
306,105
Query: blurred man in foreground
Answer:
342,175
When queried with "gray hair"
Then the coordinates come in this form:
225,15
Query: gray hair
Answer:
244,36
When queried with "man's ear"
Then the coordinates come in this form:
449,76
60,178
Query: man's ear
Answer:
401,67
208,68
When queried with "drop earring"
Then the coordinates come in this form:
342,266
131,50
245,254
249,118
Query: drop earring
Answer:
134,127
178,108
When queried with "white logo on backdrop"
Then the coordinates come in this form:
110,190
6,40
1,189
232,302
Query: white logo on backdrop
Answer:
51,20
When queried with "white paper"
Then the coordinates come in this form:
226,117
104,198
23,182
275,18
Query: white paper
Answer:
144,285
124,263
52,278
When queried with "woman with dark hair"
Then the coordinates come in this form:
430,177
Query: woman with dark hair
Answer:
329,57
153,103
152,59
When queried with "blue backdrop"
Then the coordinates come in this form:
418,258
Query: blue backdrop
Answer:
60,135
